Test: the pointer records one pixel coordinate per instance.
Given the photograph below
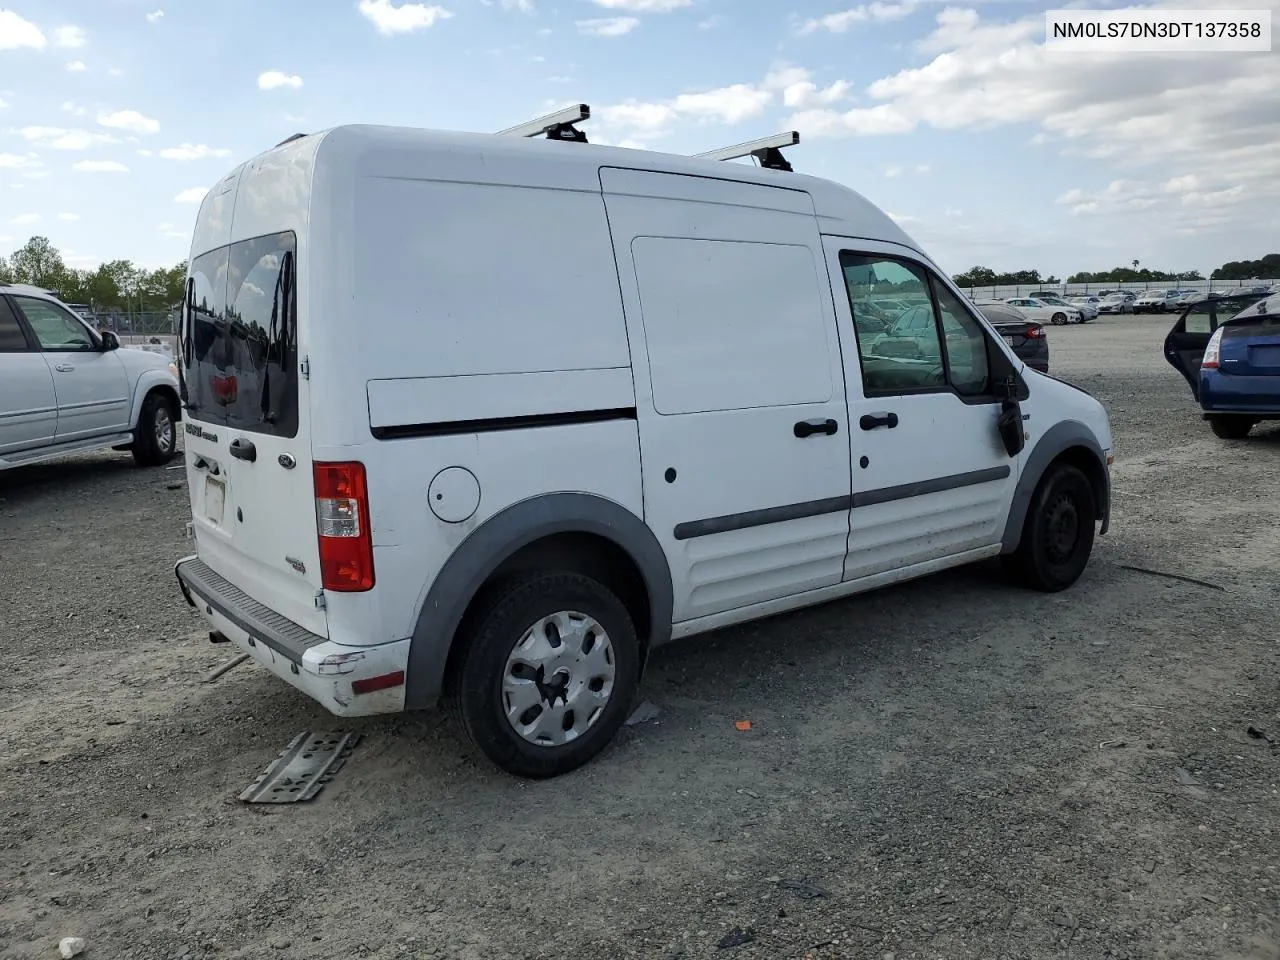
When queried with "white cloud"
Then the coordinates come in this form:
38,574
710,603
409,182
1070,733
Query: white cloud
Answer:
865,13
68,216
58,138
643,6
607,26
641,121
155,16
76,66
16,33
923,168
192,195
25,218
16,161
193,151
71,38
390,18
116,72
524,6
980,74
274,79
130,120
892,172
100,166
71,107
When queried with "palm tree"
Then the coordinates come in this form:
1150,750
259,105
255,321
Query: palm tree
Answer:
1135,264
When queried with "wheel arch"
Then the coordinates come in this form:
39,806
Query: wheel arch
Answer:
1067,442
577,531
154,381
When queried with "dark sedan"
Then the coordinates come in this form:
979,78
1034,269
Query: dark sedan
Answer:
1025,335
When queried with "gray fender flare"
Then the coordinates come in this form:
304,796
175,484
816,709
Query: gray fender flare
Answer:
1058,438
497,539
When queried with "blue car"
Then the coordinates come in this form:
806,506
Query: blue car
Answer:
1228,349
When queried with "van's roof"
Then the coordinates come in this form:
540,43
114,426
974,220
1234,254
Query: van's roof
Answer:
362,149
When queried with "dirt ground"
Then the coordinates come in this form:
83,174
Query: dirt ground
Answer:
948,769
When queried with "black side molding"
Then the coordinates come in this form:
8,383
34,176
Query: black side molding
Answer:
870,498
759,518
447,428
813,508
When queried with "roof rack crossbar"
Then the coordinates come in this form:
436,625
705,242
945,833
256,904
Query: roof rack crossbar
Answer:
768,150
554,126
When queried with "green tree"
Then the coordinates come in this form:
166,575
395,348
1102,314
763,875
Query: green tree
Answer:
38,263
6,272
1268,268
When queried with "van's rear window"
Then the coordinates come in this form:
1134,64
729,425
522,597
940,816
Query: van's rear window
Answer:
239,337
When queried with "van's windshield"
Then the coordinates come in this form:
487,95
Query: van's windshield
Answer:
238,345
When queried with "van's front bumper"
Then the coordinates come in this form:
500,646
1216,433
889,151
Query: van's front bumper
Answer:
328,672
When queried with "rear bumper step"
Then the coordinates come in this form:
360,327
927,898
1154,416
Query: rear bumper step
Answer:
263,624
348,681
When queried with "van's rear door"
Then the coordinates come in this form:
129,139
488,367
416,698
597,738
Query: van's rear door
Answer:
248,437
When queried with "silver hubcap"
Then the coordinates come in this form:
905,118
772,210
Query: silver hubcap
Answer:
559,678
164,430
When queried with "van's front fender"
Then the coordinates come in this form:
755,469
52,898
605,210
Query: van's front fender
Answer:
1062,437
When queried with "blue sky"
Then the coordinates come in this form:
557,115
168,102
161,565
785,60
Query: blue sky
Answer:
115,115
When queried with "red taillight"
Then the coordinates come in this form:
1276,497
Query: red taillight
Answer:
1035,333
1212,351
342,524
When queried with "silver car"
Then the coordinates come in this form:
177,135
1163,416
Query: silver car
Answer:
67,388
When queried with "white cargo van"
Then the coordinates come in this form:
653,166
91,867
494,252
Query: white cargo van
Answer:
488,418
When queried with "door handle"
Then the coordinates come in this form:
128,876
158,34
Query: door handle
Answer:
870,421
243,449
807,428
64,367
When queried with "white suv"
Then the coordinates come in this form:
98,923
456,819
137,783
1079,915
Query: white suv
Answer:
489,418
66,388
1156,301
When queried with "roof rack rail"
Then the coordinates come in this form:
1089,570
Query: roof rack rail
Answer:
768,150
290,139
556,126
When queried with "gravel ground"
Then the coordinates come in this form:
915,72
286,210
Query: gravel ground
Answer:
947,769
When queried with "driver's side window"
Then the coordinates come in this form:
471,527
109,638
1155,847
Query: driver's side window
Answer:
55,329
898,343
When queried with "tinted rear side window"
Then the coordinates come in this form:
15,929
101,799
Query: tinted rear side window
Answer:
11,336
239,344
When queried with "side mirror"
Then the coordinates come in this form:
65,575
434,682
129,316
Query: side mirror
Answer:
109,340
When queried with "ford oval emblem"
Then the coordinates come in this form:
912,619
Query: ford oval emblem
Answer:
286,460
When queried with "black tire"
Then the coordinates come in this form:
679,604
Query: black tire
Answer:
1057,534
1231,428
155,440
1059,319
474,690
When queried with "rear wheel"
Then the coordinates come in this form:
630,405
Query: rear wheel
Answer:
550,667
155,440
1057,535
1231,428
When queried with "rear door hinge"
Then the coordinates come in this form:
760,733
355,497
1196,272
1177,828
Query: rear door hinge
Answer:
305,368
319,598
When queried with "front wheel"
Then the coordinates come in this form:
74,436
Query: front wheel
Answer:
156,438
1057,535
550,667
1231,428
1059,319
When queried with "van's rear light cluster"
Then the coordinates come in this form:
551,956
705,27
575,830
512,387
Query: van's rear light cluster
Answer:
342,524
1212,351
